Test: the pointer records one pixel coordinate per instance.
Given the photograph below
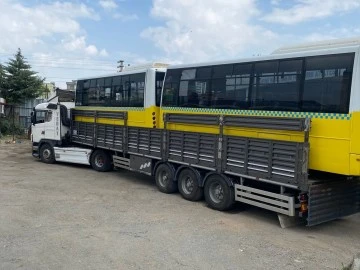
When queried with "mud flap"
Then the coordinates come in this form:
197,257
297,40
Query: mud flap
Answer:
332,200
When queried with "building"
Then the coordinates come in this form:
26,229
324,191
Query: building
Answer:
2,106
63,95
71,86
50,90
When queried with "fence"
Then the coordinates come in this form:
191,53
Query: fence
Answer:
22,113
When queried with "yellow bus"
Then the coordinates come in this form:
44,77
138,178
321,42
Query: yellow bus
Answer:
321,83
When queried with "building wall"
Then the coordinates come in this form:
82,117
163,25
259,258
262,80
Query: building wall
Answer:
51,87
71,86
23,112
2,106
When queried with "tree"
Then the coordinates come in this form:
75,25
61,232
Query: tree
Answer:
2,82
2,78
21,82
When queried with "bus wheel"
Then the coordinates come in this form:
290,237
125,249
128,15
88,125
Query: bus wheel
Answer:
188,185
218,194
164,176
100,161
47,153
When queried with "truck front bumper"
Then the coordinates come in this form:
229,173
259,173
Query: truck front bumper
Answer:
35,151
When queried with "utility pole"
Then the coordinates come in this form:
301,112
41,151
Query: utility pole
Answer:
121,65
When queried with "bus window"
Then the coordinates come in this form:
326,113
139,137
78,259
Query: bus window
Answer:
327,83
159,80
137,88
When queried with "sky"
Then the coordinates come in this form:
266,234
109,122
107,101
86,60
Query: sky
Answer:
67,40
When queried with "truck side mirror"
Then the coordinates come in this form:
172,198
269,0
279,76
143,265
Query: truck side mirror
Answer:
33,118
52,106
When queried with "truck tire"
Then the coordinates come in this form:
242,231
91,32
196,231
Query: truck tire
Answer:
189,186
164,177
46,153
101,161
218,194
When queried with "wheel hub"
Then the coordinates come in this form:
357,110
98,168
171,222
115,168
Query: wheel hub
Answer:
99,161
216,193
46,153
188,185
164,178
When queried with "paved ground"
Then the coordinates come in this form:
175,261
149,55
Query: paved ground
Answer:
68,217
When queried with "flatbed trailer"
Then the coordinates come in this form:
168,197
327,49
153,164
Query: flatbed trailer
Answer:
265,173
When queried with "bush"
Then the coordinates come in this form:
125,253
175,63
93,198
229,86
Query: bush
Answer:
8,128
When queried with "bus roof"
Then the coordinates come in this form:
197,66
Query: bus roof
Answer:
308,49
132,70
319,45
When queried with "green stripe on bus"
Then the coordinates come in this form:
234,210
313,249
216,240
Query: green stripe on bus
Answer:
88,108
265,113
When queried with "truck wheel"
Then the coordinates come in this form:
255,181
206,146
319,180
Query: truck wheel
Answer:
164,177
218,194
188,185
100,161
47,153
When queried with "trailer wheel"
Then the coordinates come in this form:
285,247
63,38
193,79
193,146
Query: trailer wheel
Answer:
101,161
218,194
47,153
188,185
164,177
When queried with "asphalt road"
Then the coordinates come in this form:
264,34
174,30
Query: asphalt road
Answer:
70,217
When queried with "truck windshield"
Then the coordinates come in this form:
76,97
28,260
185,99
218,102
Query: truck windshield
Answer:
42,117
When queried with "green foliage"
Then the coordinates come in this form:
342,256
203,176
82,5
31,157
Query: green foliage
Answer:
19,81
2,78
7,127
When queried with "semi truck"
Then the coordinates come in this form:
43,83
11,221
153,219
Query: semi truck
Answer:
279,132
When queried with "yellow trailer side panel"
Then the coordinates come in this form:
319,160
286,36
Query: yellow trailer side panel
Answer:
329,137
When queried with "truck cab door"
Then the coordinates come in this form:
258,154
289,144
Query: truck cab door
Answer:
38,126
46,125
49,125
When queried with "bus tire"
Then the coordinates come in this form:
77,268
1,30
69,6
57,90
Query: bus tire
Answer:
46,153
164,177
218,194
189,186
100,161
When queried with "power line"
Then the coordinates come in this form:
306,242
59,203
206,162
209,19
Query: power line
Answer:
66,60
80,68
70,62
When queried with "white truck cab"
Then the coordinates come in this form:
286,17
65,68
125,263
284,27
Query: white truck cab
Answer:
50,134
50,121
45,123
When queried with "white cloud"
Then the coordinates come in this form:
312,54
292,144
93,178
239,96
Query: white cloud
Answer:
91,50
103,53
108,4
125,17
275,2
330,33
28,27
197,30
305,10
55,66
78,43
51,37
